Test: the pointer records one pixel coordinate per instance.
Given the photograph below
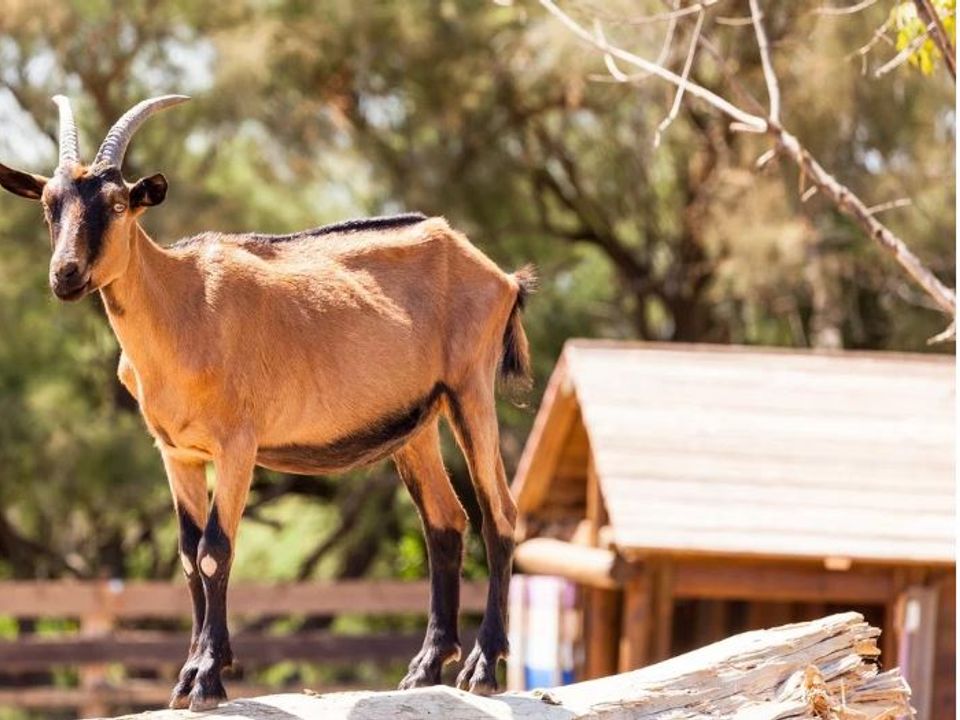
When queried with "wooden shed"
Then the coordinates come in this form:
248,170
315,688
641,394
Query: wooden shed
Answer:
694,491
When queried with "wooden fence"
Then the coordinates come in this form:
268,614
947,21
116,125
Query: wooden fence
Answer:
110,616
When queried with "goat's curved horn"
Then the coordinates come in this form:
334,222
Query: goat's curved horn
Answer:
114,145
69,143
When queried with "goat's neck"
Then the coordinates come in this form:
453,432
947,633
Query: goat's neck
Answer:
146,303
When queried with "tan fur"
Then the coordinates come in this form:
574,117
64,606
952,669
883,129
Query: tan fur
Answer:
421,467
302,341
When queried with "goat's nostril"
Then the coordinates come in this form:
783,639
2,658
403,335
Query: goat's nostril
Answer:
68,272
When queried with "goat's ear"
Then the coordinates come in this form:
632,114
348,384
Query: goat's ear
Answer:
148,191
20,183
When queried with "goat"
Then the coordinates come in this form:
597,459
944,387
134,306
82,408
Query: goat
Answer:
310,353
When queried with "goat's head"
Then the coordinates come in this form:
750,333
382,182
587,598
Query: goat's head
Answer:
91,210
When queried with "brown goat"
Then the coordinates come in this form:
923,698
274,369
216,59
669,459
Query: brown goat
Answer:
308,353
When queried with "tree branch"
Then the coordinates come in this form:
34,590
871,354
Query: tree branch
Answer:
769,75
698,91
688,63
848,10
841,196
901,57
855,208
928,14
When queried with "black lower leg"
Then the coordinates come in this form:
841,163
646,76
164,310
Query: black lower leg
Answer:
441,643
445,551
493,630
190,535
214,556
479,672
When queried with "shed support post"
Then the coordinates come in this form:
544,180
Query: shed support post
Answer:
637,622
662,596
602,632
917,644
891,619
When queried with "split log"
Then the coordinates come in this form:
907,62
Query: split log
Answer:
819,670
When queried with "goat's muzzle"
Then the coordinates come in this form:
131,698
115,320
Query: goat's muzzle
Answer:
69,281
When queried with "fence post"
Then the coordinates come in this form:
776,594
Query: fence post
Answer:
99,622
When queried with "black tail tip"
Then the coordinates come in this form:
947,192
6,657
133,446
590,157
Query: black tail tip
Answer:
515,360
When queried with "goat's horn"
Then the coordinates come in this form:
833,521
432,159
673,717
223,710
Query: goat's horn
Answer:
69,144
114,146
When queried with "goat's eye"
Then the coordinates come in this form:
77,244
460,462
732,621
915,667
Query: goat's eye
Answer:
119,208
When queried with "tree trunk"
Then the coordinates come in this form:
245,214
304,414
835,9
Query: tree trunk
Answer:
814,670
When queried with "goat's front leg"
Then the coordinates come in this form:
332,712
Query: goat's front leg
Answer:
444,521
234,469
188,482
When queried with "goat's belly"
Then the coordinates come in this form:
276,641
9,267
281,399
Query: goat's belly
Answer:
321,459
364,446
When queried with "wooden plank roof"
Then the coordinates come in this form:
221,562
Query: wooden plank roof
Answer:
717,450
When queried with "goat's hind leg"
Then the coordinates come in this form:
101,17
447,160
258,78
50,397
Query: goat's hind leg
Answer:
421,466
476,428
188,482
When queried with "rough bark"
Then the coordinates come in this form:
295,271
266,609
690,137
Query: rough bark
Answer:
814,670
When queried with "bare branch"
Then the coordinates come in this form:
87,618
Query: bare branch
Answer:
879,34
849,10
901,57
669,15
769,76
730,75
765,159
685,74
756,123
948,335
891,205
616,73
734,21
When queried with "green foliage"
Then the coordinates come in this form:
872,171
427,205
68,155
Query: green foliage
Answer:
490,115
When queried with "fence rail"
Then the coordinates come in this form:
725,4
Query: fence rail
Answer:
107,610
166,600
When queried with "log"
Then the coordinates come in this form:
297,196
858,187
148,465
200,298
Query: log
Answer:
819,670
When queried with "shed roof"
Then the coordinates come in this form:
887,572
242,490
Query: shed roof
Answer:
758,452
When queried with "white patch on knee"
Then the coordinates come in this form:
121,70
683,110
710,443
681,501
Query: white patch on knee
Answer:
187,565
208,565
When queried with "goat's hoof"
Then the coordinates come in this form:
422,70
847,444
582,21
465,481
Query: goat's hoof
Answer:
180,697
426,667
207,693
179,701
479,673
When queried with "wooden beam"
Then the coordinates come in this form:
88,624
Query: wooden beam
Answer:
806,672
780,583
589,566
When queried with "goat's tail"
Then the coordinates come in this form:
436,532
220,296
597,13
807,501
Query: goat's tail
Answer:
515,360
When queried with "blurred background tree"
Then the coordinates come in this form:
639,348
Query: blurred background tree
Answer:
489,114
